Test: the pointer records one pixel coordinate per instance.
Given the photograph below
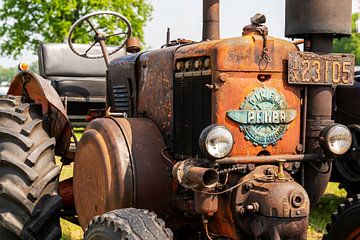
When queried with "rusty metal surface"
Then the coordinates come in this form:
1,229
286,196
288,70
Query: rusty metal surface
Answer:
103,178
133,45
263,206
40,91
67,194
211,29
152,173
268,159
205,203
317,175
193,177
119,164
325,69
155,87
236,65
317,17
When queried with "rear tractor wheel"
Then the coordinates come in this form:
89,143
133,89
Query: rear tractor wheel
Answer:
127,224
29,199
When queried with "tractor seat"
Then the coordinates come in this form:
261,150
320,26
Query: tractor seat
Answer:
72,75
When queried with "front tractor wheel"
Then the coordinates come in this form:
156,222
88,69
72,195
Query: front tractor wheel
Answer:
345,222
127,224
29,199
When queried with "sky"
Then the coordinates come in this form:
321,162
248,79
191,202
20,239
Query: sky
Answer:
184,18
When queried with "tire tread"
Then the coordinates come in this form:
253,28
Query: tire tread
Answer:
137,224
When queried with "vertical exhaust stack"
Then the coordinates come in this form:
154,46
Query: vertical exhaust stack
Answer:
211,29
317,22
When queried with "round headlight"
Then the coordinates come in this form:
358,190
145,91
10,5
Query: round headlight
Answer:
336,139
216,141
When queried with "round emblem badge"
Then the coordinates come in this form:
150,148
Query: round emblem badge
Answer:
263,116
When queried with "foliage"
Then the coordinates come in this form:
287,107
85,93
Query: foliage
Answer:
26,23
350,45
6,74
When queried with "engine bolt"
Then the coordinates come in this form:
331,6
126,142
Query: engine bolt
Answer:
253,207
240,210
249,186
299,148
269,171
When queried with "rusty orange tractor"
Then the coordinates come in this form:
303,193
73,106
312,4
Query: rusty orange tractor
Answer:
219,139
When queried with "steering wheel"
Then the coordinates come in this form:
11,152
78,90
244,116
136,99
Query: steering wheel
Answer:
99,37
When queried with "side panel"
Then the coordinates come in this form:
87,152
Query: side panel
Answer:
121,85
155,87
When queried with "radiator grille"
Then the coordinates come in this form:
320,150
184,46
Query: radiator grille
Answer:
192,113
121,99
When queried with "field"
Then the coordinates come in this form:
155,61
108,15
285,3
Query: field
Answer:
319,217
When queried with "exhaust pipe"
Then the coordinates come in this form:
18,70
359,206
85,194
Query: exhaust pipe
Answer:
211,29
202,177
193,177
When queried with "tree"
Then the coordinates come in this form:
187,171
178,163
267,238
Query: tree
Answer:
7,74
27,23
350,45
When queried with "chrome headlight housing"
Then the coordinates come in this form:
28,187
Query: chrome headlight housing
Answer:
336,139
216,141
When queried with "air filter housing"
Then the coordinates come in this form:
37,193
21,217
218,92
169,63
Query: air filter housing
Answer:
314,17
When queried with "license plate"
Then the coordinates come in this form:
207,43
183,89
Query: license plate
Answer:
314,69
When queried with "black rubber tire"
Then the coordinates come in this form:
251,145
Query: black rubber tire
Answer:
29,199
347,176
347,167
345,223
128,223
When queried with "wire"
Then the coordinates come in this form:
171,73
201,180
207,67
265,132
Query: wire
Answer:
235,186
205,222
225,181
164,156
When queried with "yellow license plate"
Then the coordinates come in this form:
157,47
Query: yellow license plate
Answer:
314,69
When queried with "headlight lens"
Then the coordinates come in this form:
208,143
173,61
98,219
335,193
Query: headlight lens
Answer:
216,141
336,138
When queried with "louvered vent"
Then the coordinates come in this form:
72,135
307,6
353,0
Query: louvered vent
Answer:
121,99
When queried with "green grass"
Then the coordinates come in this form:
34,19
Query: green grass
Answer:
319,216
70,231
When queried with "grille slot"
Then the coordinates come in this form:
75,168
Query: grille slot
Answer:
121,99
192,113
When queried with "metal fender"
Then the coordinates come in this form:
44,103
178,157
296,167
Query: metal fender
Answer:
119,164
38,90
